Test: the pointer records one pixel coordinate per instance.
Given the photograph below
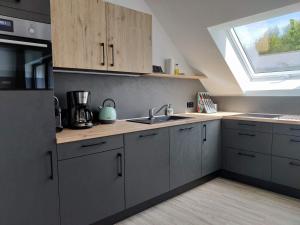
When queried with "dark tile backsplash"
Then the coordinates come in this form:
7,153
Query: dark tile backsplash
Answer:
133,95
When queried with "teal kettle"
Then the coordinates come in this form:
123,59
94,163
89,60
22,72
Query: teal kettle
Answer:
107,112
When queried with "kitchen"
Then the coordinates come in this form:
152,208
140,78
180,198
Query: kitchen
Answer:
154,121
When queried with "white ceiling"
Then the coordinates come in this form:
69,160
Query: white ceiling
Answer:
186,22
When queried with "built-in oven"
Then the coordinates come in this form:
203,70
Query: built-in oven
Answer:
25,55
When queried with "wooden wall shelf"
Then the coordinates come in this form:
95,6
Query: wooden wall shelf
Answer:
186,77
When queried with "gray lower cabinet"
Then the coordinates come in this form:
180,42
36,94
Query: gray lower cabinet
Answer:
247,163
91,187
211,147
185,154
286,146
286,172
146,165
28,159
260,142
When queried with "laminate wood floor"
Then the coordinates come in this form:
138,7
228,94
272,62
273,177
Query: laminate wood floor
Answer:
222,202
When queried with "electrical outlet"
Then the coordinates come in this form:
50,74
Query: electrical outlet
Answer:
190,105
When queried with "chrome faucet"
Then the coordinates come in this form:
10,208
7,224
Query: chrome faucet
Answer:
153,113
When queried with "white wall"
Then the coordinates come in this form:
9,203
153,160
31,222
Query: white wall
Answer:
163,46
186,22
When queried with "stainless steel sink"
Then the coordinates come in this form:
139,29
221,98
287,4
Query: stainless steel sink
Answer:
158,119
260,115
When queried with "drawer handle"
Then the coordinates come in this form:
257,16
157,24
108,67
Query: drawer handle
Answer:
245,134
295,141
294,164
148,135
294,129
247,124
120,164
186,129
247,155
205,133
94,144
51,165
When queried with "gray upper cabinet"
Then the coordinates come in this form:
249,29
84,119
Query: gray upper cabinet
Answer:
28,168
185,154
91,187
35,6
211,147
146,165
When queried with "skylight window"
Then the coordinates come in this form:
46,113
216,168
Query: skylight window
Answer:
270,48
263,51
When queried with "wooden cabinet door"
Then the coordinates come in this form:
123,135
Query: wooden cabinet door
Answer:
185,154
211,147
79,34
129,40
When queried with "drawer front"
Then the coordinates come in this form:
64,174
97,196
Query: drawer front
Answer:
248,140
286,172
287,129
286,146
248,163
247,125
86,147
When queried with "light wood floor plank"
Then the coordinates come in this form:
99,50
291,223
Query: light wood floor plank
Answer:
222,202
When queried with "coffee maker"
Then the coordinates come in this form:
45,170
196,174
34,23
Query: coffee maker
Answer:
79,116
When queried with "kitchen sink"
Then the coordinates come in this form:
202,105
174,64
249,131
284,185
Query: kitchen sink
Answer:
158,119
260,115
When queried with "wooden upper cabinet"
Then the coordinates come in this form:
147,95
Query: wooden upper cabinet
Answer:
129,40
79,34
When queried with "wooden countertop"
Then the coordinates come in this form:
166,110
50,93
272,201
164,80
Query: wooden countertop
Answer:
124,127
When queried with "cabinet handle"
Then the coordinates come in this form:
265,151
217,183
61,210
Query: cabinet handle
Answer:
205,128
148,135
294,129
186,129
120,164
247,124
295,141
51,177
294,164
112,55
245,134
247,155
102,45
94,144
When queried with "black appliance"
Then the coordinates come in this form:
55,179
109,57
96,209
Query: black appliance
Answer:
58,118
25,53
79,116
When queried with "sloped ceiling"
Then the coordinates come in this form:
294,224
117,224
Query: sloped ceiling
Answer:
186,22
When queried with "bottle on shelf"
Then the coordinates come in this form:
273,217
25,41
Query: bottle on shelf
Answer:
176,70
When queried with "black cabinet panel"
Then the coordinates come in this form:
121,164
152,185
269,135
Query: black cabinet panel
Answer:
185,154
36,6
28,168
146,165
91,187
211,147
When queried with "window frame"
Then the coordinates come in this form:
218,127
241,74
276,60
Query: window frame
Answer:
245,61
